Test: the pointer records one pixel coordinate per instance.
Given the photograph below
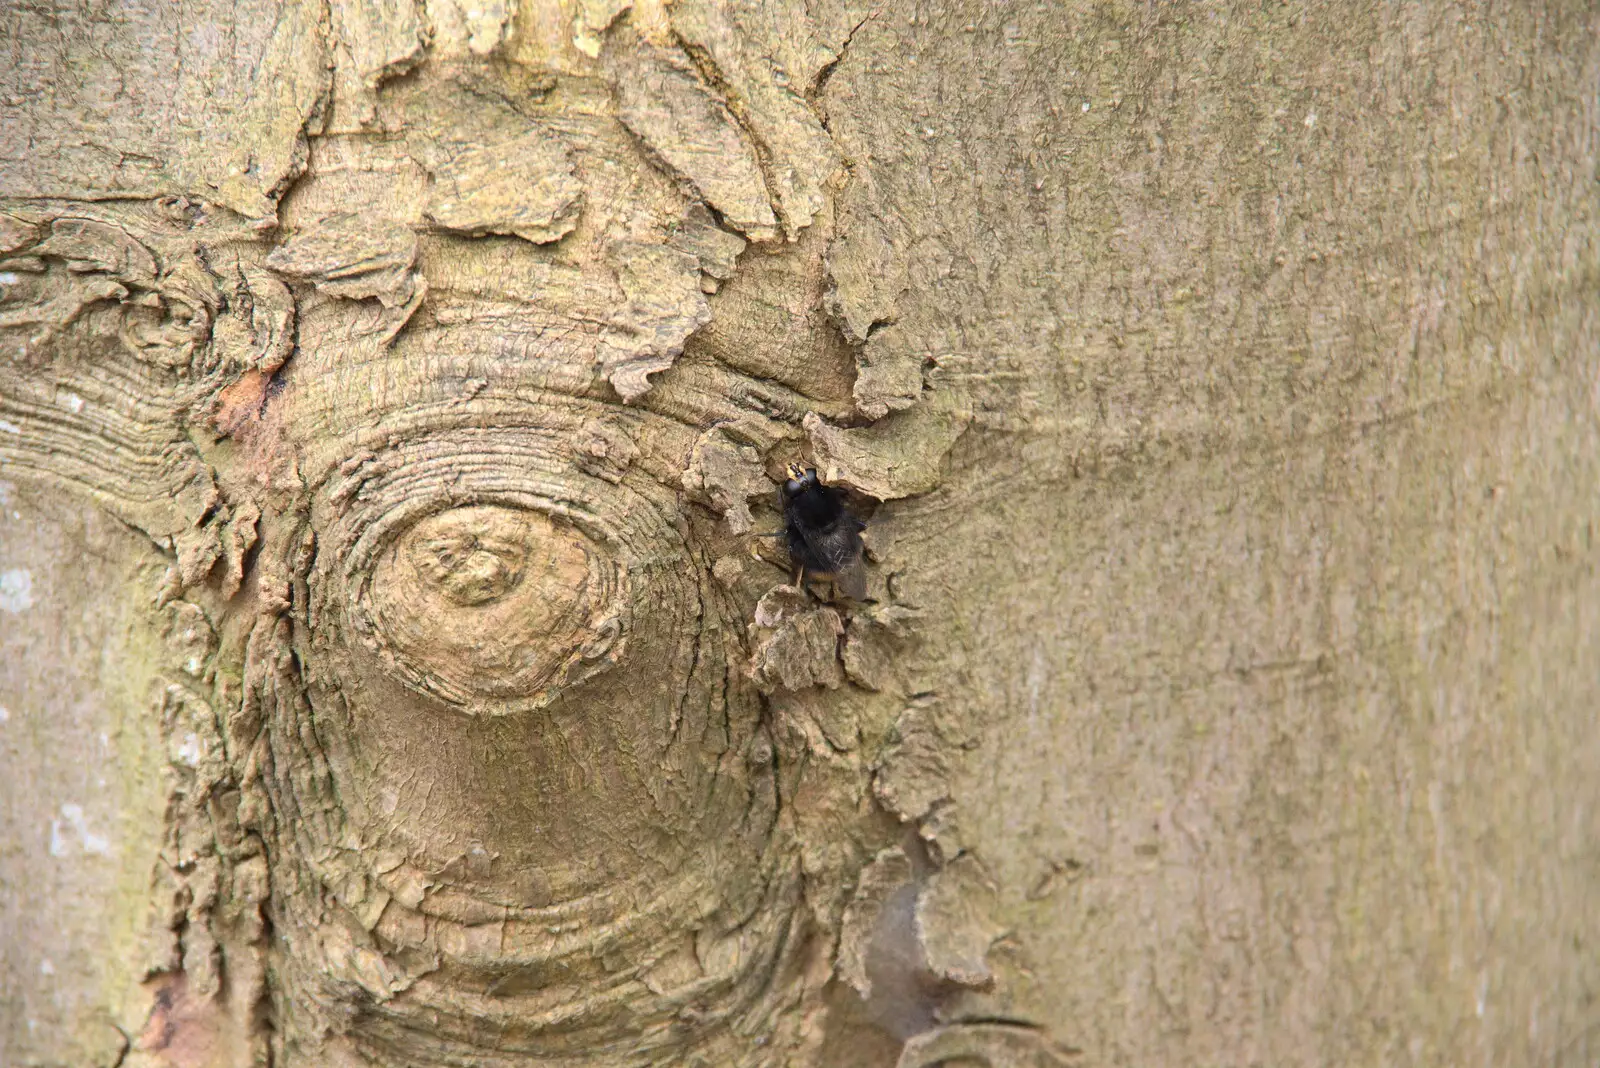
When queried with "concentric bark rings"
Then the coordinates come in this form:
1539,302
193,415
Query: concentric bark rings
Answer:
488,573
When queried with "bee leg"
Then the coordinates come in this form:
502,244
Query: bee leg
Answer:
802,582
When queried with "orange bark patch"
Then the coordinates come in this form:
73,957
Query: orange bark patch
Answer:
186,1032
240,403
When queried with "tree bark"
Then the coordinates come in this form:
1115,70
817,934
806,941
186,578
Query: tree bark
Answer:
397,670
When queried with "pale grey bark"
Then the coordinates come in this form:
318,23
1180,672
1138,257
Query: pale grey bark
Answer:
395,672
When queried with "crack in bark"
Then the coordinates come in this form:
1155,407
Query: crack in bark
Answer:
819,84
734,101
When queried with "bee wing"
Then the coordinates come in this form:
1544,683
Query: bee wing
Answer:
833,549
852,580
842,552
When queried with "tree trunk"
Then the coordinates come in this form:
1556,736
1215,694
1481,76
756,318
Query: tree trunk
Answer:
397,670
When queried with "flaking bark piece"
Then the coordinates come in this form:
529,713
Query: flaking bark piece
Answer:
495,170
88,245
875,636
604,450
664,104
762,59
900,456
591,20
880,879
953,924
476,27
797,643
16,233
726,475
664,306
888,373
354,257
914,773
211,98
373,42
716,249
913,776
258,330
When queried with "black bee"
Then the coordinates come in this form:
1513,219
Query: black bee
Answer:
824,538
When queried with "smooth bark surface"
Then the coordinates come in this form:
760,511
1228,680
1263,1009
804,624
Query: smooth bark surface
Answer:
396,670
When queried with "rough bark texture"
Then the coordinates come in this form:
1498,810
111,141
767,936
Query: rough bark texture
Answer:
395,671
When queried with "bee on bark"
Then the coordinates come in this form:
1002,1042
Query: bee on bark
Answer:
823,536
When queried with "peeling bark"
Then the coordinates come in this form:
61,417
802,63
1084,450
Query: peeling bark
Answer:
398,669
